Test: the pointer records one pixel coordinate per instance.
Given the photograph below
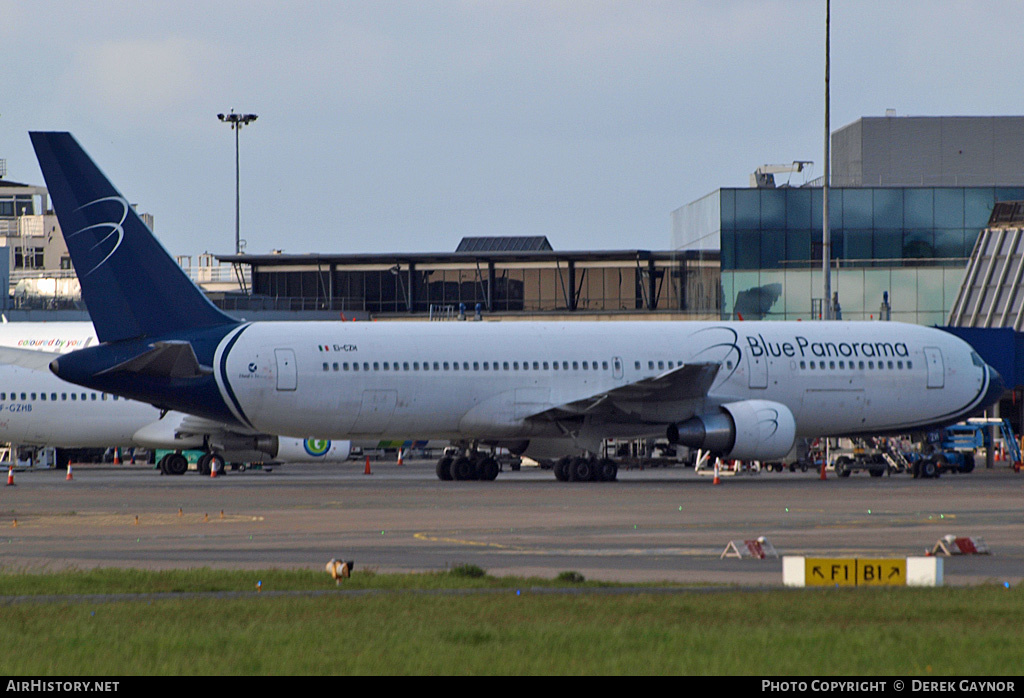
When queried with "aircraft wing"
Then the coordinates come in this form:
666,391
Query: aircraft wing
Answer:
686,382
27,358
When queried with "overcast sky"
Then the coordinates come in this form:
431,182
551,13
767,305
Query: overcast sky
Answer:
406,125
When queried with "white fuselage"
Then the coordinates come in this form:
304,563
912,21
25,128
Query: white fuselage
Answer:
483,379
39,409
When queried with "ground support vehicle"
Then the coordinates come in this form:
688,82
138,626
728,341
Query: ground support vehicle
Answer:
877,455
955,447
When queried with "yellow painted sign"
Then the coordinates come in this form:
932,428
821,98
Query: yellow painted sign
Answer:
854,571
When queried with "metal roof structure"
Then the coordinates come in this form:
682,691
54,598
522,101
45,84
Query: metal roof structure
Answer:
504,244
325,259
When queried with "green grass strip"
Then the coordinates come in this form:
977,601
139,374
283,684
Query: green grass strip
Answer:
907,632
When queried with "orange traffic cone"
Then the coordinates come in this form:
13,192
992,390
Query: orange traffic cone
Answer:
117,456
823,470
213,467
367,470
399,456
69,472
716,481
10,476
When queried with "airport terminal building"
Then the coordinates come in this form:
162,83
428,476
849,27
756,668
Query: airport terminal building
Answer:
909,197
502,277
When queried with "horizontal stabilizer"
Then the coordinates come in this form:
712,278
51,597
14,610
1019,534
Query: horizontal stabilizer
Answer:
27,358
173,359
190,424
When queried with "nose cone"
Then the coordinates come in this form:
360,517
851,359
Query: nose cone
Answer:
996,387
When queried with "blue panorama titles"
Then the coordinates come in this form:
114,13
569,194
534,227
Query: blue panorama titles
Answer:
803,347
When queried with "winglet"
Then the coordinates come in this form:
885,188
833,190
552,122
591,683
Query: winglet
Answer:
131,285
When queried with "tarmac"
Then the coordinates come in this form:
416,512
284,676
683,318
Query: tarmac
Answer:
655,525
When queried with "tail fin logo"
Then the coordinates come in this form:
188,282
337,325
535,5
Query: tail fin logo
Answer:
114,229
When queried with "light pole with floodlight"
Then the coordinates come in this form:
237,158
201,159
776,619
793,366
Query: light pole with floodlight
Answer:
237,121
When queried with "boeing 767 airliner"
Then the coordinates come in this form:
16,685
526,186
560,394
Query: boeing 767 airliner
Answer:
741,390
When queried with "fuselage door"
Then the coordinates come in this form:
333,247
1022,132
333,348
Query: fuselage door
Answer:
758,367
287,373
617,367
375,411
936,370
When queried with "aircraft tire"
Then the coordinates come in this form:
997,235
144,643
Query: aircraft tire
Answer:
583,469
162,464
462,468
488,469
561,470
176,464
444,468
203,464
608,470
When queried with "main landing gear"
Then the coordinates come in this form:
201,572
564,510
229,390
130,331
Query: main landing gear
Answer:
467,464
177,464
585,469
173,464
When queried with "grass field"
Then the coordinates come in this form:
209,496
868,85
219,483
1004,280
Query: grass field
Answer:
458,623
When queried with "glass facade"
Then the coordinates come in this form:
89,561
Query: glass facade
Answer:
655,282
912,243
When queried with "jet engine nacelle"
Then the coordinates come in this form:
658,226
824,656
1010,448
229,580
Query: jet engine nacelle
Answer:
745,430
311,450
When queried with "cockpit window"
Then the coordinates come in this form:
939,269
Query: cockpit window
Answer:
977,360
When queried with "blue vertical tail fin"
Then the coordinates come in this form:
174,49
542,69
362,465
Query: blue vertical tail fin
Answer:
130,284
